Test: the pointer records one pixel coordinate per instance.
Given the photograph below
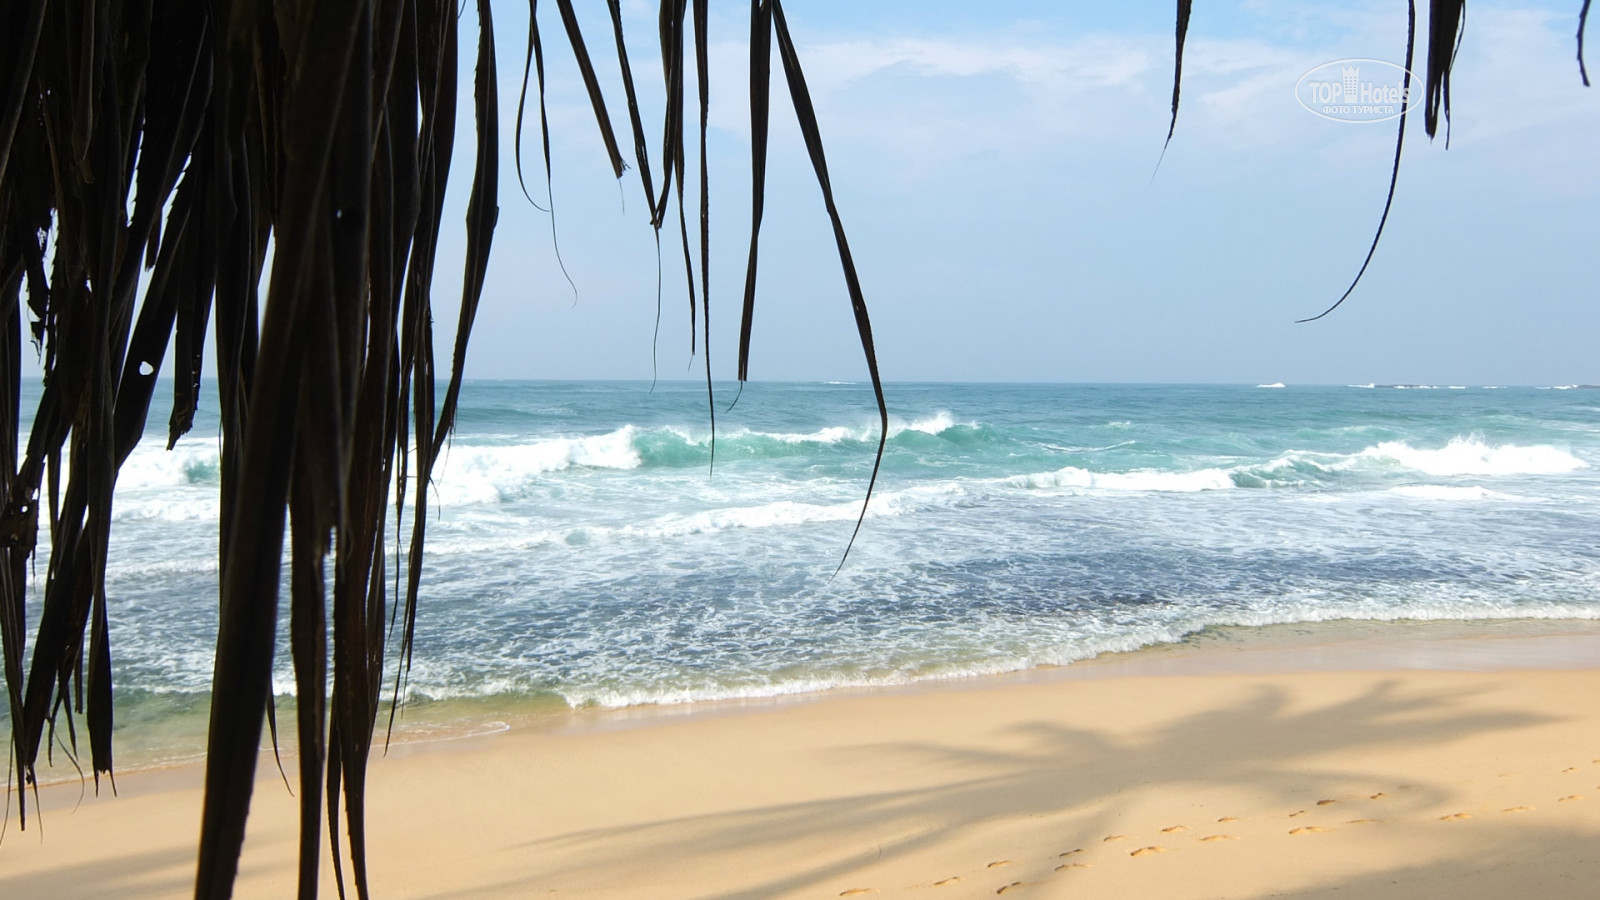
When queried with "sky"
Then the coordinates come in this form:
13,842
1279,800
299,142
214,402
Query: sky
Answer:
995,165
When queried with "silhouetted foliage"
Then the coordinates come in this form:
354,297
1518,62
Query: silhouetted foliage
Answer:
1446,25
323,131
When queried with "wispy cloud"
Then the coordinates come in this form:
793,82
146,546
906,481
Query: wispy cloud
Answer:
1093,63
1020,91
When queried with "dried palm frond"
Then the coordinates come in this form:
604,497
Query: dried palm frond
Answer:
1446,26
1394,170
325,132
1583,24
1180,30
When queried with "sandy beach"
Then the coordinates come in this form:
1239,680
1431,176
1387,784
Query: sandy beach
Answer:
1430,761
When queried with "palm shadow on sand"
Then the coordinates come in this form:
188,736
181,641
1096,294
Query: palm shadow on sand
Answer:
1263,743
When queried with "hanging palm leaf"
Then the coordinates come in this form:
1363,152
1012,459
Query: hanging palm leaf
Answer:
325,132
1446,26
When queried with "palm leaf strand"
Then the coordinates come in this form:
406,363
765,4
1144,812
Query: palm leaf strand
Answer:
318,136
1394,170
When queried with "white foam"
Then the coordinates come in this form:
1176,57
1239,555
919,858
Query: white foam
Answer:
1275,384
1448,492
490,474
1460,457
678,690
766,515
1060,449
777,514
1139,480
1292,459
786,512
830,435
139,567
167,509
154,466
937,423
1469,456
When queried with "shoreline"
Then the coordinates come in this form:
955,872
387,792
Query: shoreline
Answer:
1368,645
1336,644
1450,765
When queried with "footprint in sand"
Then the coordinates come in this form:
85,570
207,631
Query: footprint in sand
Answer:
1455,817
1226,819
1114,837
1364,822
1570,797
1378,796
1174,829
1326,802
1518,809
1572,769
999,862
1010,887
1147,851
1071,852
1074,866
1219,837
856,892
1309,829
948,881
1296,815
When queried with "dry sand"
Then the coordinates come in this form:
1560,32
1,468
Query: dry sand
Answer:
1242,772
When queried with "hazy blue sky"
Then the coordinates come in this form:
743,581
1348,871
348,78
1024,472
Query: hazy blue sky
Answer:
993,164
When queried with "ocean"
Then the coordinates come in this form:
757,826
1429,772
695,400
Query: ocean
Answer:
585,551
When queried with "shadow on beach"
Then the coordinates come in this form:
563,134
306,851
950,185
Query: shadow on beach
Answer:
1074,783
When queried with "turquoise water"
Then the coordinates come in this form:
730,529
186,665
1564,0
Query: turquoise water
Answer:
584,552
